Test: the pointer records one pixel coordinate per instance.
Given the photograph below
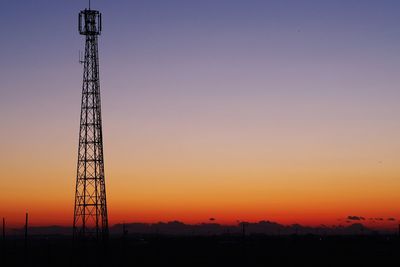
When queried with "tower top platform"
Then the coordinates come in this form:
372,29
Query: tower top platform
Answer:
90,22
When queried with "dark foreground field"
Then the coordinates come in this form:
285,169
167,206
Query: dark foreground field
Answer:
160,250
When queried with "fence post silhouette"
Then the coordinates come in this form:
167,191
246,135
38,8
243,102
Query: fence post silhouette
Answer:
4,229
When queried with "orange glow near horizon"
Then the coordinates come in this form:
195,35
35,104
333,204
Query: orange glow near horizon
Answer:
223,195
323,187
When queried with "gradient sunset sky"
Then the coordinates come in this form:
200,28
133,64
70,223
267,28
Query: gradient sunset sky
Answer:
238,110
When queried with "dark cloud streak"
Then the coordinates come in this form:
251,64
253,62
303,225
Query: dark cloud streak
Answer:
355,218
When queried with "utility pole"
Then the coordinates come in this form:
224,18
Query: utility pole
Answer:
26,230
3,247
124,231
399,230
244,224
26,254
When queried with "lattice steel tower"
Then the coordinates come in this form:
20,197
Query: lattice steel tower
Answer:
90,213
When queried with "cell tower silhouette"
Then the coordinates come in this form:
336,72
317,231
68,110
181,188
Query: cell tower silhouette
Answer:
90,212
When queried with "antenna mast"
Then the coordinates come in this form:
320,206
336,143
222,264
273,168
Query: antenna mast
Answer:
90,212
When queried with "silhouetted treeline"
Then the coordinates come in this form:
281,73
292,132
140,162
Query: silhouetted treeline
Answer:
180,228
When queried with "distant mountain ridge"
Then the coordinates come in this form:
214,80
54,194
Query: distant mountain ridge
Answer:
180,228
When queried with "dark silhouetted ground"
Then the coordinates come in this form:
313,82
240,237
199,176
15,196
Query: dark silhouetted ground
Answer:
221,250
